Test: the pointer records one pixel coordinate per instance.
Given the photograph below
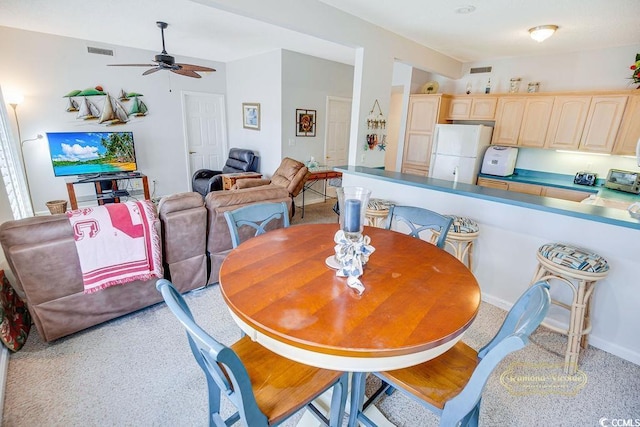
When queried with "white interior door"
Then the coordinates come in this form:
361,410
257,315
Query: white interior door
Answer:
205,131
337,135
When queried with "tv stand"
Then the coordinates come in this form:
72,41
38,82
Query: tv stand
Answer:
106,188
88,178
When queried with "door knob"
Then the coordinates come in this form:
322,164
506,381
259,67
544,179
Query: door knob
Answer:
192,152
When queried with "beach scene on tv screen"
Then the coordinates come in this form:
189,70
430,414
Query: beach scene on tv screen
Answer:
80,153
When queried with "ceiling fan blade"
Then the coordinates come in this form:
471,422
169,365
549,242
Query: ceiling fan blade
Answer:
192,67
164,61
150,71
130,65
188,73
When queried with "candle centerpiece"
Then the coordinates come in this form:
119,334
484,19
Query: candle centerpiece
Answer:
352,248
352,205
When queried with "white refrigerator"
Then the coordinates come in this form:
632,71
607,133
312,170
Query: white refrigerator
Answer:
457,152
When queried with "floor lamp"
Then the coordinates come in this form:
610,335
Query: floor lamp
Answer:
14,105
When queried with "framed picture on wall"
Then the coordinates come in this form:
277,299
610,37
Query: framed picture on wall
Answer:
251,115
305,122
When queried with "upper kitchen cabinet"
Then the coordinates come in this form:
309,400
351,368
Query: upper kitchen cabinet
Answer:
535,122
567,121
472,107
629,133
522,121
603,123
425,111
509,115
586,123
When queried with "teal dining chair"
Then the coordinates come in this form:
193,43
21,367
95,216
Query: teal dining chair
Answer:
260,217
419,220
265,388
451,385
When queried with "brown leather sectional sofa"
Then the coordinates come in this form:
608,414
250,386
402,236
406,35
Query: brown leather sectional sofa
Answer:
42,255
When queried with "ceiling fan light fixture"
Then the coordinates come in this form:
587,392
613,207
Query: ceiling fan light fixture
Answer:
542,32
164,61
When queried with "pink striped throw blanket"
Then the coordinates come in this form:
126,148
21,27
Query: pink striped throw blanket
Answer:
117,243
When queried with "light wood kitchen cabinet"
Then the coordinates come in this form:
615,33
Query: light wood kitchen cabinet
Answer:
477,107
535,189
535,121
629,133
520,187
517,187
425,111
522,121
509,115
567,122
565,194
493,183
586,123
602,124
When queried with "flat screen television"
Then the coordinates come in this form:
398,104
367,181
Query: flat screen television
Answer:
91,153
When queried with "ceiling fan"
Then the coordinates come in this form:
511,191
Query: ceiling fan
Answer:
165,61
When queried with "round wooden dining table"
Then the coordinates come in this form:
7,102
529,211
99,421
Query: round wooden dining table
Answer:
417,303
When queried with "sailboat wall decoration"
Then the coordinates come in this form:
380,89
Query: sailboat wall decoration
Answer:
138,108
112,111
87,110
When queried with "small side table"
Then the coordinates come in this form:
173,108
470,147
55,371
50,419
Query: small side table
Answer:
229,179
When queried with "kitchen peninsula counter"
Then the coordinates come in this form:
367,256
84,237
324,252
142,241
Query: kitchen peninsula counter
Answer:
618,217
512,228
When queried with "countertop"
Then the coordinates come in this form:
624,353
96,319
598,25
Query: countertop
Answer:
591,212
549,179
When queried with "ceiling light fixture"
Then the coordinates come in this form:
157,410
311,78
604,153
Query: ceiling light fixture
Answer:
542,32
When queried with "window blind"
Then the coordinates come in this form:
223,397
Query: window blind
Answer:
11,169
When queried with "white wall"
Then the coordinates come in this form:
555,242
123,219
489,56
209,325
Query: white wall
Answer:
257,79
44,68
283,81
401,82
307,81
598,69
570,163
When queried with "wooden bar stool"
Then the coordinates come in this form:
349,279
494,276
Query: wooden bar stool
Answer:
579,269
377,212
461,236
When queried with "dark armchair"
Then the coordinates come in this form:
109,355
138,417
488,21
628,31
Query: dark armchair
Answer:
205,181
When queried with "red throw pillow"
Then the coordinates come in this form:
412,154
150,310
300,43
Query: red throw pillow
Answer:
15,320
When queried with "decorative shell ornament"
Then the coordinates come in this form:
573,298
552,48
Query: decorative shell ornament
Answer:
430,87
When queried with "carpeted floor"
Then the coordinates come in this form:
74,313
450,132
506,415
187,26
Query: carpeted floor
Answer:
138,371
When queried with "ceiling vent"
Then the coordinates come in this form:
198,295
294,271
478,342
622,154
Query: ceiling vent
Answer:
480,70
100,51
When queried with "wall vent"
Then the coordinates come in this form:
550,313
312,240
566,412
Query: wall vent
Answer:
480,70
100,51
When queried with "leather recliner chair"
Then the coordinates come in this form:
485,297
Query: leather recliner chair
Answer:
205,181
291,174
